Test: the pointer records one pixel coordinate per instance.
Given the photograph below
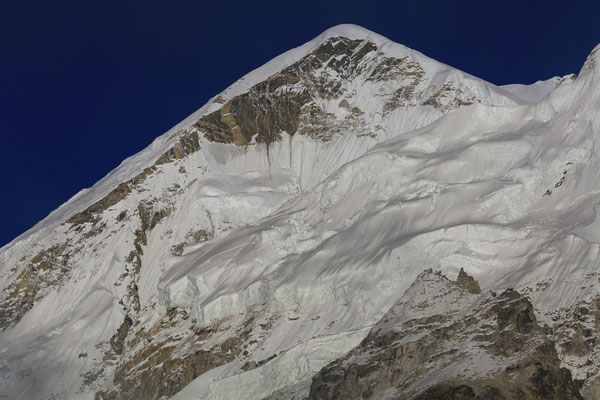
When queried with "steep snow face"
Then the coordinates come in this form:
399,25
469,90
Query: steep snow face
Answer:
507,193
250,248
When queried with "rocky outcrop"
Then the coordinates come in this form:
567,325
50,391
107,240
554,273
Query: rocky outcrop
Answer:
47,269
158,364
288,100
112,198
192,238
188,143
446,98
91,214
292,100
472,346
576,331
467,282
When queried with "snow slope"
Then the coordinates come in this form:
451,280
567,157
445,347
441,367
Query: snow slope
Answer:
276,260
535,92
466,191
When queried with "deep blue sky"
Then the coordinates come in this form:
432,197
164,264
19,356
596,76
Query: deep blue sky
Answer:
85,84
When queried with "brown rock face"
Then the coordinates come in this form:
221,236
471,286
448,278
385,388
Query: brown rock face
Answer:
195,237
445,98
467,282
577,333
289,100
113,197
449,349
278,104
188,143
46,269
150,370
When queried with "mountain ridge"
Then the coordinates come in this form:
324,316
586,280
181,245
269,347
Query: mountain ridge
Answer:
210,263
243,84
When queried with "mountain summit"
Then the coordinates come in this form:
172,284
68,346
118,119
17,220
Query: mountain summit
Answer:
351,220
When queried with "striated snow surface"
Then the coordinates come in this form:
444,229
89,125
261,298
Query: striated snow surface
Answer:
466,191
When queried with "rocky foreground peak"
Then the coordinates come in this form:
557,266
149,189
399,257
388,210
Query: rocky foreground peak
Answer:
467,282
490,347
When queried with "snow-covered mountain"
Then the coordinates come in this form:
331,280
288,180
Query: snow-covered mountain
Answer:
281,243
